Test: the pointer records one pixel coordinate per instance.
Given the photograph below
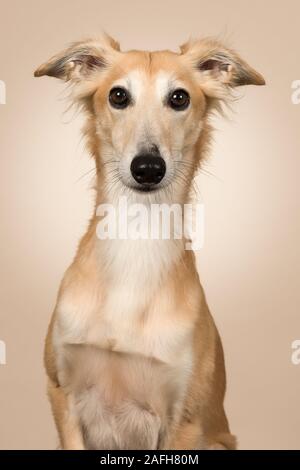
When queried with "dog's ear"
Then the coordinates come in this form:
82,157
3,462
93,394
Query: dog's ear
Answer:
80,59
219,67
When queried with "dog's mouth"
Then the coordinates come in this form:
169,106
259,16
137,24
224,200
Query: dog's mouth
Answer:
146,188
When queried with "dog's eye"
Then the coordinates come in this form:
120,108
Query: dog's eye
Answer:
119,98
179,100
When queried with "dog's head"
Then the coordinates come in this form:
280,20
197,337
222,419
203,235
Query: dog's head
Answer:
148,110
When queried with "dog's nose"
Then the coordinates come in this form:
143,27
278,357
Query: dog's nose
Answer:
147,169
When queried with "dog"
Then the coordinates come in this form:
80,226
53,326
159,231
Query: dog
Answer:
133,357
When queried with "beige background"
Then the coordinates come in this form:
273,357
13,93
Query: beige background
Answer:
250,262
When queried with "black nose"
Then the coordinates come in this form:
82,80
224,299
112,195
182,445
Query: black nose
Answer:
148,169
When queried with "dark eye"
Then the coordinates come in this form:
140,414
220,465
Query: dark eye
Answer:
179,100
119,98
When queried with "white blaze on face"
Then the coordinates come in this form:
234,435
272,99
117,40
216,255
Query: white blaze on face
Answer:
135,83
163,85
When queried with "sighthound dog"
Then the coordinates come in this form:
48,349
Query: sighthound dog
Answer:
133,356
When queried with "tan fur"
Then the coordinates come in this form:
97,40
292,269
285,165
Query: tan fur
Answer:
133,357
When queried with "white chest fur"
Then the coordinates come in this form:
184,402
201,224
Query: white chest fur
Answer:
126,323
135,341
136,310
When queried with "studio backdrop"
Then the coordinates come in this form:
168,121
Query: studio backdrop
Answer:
249,264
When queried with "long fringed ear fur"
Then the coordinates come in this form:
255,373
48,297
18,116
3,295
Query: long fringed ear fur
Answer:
81,59
218,67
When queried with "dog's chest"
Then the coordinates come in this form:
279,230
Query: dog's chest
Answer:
128,365
127,322
125,355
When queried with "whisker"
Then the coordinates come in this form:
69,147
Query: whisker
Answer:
110,162
86,173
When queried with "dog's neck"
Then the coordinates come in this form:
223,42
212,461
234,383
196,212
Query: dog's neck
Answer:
136,263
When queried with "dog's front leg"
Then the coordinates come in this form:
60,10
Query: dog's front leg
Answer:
190,437
66,421
186,437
